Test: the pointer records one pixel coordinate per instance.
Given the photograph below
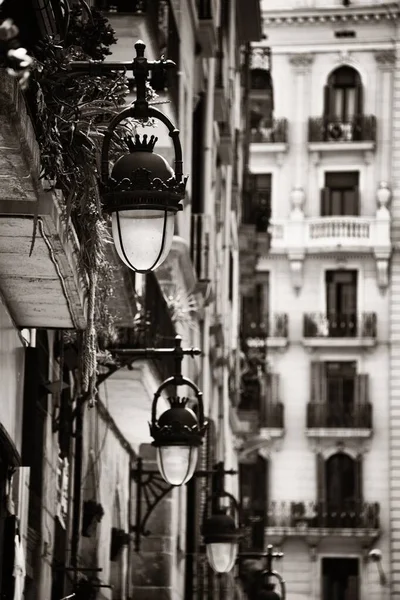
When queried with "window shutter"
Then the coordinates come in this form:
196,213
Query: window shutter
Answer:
325,202
328,103
274,388
361,392
359,99
318,382
356,202
321,484
358,475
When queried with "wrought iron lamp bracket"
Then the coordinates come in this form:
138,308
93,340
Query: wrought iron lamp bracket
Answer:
151,488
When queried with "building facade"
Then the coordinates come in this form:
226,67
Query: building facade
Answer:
318,398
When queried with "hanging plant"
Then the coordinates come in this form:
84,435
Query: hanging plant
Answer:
71,113
182,305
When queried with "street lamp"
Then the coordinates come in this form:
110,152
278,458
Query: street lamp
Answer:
220,533
142,193
177,432
221,537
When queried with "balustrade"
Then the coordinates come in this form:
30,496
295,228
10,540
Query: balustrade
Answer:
333,325
352,514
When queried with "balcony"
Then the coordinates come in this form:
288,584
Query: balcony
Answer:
339,420
41,288
330,234
272,333
277,134
207,11
330,134
338,330
311,521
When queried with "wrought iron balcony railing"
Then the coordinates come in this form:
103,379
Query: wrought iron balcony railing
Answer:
339,325
277,134
276,326
361,128
339,415
352,514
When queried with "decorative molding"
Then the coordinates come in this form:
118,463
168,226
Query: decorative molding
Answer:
386,59
338,15
382,273
344,56
260,58
301,62
296,271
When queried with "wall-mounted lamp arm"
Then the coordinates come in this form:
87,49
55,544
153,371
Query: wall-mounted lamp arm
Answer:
151,488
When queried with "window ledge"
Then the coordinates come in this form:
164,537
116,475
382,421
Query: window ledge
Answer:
268,147
367,146
338,432
346,342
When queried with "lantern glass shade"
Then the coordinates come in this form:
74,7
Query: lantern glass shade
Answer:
142,237
177,463
222,556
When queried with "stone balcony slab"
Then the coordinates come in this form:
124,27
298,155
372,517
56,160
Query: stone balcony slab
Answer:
40,284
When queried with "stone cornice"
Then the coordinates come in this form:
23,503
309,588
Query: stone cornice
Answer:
357,14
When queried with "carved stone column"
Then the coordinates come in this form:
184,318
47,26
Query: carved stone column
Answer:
386,61
301,64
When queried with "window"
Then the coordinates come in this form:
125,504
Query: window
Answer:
341,381
257,202
343,95
340,579
341,302
340,196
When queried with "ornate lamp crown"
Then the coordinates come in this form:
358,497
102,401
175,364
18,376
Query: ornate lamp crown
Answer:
135,144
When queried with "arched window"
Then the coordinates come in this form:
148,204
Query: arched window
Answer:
340,490
343,95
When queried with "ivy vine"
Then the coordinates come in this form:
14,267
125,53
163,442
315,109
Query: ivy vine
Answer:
71,112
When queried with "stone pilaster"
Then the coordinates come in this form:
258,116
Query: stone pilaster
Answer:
301,64
394,400
385,60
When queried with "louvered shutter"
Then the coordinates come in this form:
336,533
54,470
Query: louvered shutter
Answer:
321,491
358,489
359,99
329,108
361,392
325,208
318,384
